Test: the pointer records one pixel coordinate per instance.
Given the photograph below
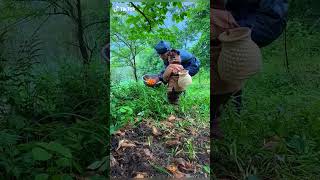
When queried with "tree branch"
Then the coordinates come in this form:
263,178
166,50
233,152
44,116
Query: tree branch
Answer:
94,23
127,44
136,8
73,44
58,13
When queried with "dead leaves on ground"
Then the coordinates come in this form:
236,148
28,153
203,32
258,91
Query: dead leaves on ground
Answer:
167,124
148,153
175,171
167,133
120,133
155,131
172,143
171,118
140,175
125,144
113,161
183,164
180,165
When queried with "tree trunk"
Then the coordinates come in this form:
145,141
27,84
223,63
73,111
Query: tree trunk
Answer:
80,34
135,69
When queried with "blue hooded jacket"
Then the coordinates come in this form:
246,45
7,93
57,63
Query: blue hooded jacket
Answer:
266,18
188,60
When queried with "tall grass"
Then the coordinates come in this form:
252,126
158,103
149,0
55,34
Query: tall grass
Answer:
135,100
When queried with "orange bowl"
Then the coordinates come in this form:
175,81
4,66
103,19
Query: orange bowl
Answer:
151,80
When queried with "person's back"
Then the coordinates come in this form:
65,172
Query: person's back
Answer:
266,18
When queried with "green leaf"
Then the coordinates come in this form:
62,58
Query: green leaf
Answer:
43,145
63,162
67,177
95,165
77,166
123,110
61,177
58,148
17,122
41,177
8,139
40,154
206,169
105,165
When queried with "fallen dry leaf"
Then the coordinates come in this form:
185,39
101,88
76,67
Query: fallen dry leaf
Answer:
193,132
140,175
183,164
188,167
120,133
171,118
179,152
172,168
180,162
148,153
168,124
171,143
155,131
125,143
113,161
178,136
175,172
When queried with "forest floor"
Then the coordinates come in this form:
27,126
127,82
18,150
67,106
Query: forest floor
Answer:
168,148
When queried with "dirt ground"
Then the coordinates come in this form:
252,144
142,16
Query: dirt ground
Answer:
155,149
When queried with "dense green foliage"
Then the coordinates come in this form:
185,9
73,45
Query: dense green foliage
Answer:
132,41
52,107
134,102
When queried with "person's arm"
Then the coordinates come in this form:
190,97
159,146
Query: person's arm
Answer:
160,75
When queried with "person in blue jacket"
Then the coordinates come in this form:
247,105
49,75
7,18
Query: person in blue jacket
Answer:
188,61
267,20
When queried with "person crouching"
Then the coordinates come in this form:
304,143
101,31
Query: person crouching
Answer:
175,85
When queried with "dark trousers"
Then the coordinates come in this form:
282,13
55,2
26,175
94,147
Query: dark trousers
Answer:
173,96
218,102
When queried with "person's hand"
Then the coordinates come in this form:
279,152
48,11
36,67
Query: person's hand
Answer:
175,68
167,74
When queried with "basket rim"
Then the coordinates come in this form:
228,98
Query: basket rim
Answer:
236,34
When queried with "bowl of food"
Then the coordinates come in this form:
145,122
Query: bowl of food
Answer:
151,80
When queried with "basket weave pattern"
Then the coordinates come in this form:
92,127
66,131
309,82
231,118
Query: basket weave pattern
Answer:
240,57
221,21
